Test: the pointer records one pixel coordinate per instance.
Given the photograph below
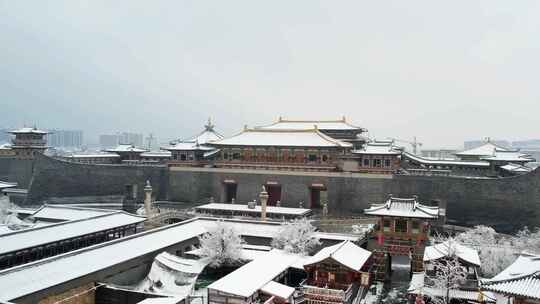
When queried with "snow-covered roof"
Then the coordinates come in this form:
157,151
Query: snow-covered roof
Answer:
248,279
403,207
187,146
164,154
5,146
33,237
35,276
386,148
4,185
278,290
206,136
282,138
486,149
32,277
345,253
68,213
448,248
164,300
95,155
417,287
256,210
509,156
521,278
440,162
325,125
516,168
33,130
126,148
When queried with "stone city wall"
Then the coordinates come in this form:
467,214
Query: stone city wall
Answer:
469,201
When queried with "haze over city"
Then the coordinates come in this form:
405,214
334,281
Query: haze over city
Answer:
465,69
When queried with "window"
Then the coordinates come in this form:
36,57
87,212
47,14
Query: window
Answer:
387,163
386,225
400,225
325,158
415,227
236,156
312,157
377,163
182,157
366,162
225,155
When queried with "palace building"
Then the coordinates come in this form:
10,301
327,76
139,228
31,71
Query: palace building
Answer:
127,152
378,157
338,129
194,151
285,149
402,230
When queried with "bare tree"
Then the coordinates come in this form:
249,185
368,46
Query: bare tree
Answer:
445,274
297,236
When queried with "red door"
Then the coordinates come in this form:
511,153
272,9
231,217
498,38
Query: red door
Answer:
274,194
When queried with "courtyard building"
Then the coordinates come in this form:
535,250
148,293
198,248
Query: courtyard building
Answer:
519,283
337,274
466,291
403,229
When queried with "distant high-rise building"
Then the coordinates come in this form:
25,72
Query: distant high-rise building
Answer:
135,139
471,144
65,138
527,144
5,136
151,142
107,141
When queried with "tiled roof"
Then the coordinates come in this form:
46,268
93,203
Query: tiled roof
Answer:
28,130
325,125
282,138
345,253
521,278
403,207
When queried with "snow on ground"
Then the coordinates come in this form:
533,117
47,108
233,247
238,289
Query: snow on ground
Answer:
171,275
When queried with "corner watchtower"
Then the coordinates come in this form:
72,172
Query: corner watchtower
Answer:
28,142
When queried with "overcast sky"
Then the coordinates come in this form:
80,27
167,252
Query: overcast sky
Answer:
444,71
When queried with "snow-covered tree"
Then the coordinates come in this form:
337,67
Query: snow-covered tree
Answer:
448,274
445,274
221,245
527,240
4,206
496,252
296,236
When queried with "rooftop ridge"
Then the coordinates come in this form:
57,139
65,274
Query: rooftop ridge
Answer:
66,222
535,274
282,120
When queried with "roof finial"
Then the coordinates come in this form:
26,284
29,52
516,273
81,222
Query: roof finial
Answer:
209,126
343,118
245,127
315,127
280,119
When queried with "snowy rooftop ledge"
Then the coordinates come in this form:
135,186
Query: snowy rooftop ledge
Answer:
243,208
